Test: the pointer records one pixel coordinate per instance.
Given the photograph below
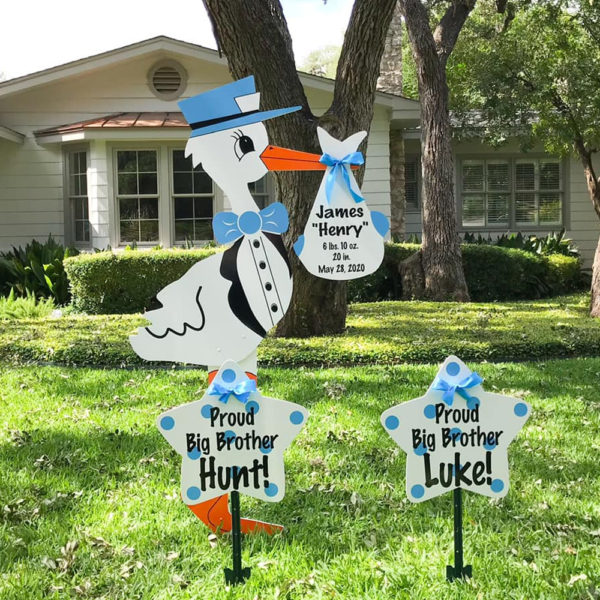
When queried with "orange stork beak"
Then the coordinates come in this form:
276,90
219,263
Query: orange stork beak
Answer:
284,159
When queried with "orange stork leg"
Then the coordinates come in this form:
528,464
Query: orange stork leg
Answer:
215,513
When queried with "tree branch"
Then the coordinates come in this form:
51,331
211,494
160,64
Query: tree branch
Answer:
358,66
449,27
244,47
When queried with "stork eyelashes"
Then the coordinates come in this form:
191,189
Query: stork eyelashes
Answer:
242,145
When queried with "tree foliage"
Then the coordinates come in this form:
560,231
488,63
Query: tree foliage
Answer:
322,62
535,78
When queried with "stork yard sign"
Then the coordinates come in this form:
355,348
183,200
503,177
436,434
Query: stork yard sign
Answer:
456,437
232,440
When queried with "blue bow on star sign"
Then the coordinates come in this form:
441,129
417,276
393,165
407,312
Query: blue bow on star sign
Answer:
341,166
241,391
459,388
229,227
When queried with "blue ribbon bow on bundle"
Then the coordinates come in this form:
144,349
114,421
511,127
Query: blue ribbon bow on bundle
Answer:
459,388
241,391
343,165
229,227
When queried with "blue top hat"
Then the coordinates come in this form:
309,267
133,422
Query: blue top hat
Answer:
217,109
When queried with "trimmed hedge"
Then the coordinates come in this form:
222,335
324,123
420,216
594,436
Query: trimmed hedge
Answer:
110,283
492,273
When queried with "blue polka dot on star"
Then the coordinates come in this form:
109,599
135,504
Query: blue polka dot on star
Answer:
497,485
228,375
392,422
167,423
193,493
205,411
417,491
452,369
252,407
194,454
429,411
520,409
271,490
296,417
420,450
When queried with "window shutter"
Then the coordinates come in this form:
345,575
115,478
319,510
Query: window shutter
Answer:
550,175
411,184
473,176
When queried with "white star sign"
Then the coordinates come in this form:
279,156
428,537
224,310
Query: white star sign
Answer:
232,439
456,435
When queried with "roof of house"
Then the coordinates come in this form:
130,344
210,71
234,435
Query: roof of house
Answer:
165,44
11,135
119,120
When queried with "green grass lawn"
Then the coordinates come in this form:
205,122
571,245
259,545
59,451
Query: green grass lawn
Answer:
89,487
377,333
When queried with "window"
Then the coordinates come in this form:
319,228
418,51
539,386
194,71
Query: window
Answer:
260,192
411,184
538,194
193,198
137,195
78,197
511,193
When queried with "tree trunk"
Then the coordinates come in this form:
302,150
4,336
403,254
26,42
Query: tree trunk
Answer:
390,81
255,38
442,262
440,254
593,186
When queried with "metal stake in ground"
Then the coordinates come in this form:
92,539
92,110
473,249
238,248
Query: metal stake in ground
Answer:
458,571
237,574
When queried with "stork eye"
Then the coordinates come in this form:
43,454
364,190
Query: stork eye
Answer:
243,144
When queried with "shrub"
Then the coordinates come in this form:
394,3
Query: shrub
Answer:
496,273
553,243
37,269
384,284
106,282
27,307
492,273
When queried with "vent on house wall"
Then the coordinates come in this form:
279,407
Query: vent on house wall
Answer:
167,79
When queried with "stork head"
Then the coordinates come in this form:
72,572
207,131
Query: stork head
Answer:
232,157
230,140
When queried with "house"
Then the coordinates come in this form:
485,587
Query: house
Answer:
92,153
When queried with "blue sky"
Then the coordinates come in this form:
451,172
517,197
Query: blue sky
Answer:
39,34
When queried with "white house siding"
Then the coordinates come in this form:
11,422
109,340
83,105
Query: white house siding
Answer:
32,194
582,224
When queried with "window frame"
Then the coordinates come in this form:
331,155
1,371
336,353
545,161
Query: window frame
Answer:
417,160
513,160
117,197
173,195
69,211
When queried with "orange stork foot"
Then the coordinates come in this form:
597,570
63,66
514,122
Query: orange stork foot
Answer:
215,515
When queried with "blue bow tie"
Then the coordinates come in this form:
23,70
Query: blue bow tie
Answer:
459,388
241,391
343,166
229,227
